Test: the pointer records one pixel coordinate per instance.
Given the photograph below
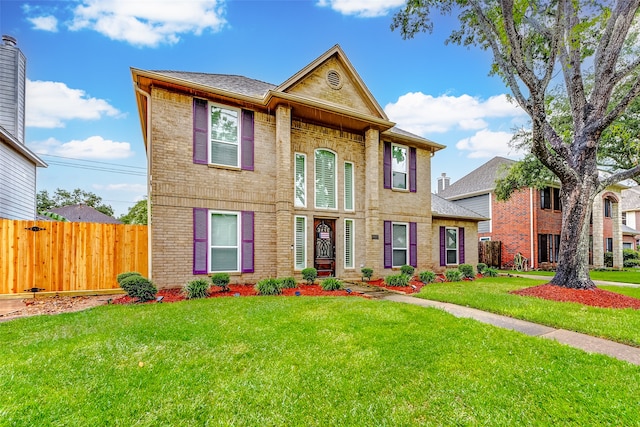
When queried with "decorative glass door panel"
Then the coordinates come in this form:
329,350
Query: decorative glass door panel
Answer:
324,247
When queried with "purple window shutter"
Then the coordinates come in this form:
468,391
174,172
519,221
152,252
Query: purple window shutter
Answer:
200,131
443,246
247,242
246,155
388,249
387,164
200,241
461,244
413,244
412,170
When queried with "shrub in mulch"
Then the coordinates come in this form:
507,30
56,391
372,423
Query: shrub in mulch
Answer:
593,297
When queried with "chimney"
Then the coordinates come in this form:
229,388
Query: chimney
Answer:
8,40
443,182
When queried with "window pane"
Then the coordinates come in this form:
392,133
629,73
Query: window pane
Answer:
452,238
224,259
348,243
224,154
224,230
300,181
348,186
399,257
399,236
224,125
399,166
400,180
325,179
300,241
452,257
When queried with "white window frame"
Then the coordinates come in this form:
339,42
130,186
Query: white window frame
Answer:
335,180
446,246
300,245
349,243
238,245
300,203
395,169
394,248
349,198
238,143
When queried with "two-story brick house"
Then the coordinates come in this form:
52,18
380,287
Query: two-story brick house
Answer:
530,222
262,180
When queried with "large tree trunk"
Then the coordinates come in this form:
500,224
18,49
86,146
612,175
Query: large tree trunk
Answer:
573,263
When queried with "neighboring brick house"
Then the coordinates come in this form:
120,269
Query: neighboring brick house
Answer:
631,217
263,180
531,220
17,163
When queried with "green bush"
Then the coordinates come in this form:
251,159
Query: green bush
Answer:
366,273
139,287
289,282
490,272
407,270
608,259
630,254
481,267
198,288
123,276
269,286
427,276
221,279
453,275
310,274
397,280
466,270
331,284
631,263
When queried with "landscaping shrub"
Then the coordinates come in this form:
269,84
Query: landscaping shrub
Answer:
222,280
289,282
631,263
198,288
427,276
630,254
490,272
453,275
407,270
269,286
466,270
123,276
366,273
139,287
397,280
310,274
331,284
608,259
481,267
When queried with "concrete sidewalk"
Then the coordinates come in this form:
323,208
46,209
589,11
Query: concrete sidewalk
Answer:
584,342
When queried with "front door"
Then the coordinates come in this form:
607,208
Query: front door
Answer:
325,248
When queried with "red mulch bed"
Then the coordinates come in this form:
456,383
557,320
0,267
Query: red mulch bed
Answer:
417,285
175,294
593,297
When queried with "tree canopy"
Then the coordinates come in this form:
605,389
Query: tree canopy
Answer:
61,197
137,214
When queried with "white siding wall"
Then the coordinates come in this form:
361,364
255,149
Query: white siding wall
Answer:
17,185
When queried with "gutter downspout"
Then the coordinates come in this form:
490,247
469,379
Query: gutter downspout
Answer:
531,212
147,138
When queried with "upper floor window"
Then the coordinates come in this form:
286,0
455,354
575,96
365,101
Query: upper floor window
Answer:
608,208
557,205
348,186
550,198
399,166
624,218
224,135
300,180
325,194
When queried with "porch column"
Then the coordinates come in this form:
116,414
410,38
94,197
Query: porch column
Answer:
373,225
284,193
618,258
597,232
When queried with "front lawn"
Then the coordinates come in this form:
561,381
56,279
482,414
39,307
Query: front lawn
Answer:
623,276
492,294
275,361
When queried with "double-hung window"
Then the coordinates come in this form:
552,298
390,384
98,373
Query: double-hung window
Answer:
400,242
325,177
224,239
452,245
399,166
224,135
300,180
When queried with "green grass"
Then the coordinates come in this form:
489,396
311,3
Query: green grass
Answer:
492,294
624,276
274,361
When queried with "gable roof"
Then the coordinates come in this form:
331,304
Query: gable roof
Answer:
445,209
630,199
479,181
84,213
225,82
7,138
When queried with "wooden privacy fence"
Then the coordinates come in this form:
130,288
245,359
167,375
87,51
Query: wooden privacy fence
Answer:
68,256
490,253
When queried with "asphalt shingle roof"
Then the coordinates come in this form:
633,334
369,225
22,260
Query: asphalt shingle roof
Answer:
442,207
630,199
84,213
232,83
479,181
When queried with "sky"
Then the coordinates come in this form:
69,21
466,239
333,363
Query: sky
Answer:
81,114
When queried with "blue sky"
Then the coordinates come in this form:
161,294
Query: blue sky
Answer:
81,112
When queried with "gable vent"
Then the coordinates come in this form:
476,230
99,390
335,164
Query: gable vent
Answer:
334,80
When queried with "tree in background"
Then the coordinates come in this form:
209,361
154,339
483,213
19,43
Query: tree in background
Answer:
62,197
533,44
137,214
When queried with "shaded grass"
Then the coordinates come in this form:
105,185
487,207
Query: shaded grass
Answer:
624,276
271,361
492,294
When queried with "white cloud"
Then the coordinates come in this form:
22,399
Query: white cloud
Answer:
45,23
93,148
362,8
50,104
486,144
149,23
133,188
424,114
